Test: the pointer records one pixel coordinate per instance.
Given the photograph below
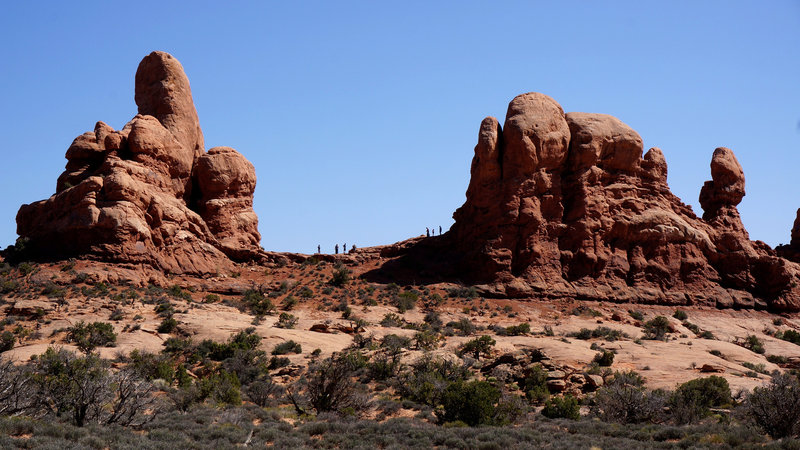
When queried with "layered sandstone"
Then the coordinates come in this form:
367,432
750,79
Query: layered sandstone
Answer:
569,205
149,193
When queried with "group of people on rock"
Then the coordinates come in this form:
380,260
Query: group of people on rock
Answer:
336,248
428,231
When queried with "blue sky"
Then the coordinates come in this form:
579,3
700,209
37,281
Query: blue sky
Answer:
361,117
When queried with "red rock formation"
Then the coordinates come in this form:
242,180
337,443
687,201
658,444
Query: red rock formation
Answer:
126,196
565,205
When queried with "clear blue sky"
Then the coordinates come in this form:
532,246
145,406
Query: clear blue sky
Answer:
361,117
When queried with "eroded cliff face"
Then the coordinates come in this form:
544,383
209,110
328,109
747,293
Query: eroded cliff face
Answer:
149,193
569,205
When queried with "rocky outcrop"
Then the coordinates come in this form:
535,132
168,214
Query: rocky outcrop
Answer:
569,205
149,193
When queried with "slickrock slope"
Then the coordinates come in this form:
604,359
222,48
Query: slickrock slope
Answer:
566,205
149,193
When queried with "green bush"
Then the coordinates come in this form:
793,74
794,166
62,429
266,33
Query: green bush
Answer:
775,408
562,407
341,275
754,344
286,320
604,358
391,320
471,402
405,301
535,384
287,347
87,337
168,325
657,328
258,303
226,388
462,292
479,346
637,315
692,400
518,330
624,399
680,315
7,340
791,336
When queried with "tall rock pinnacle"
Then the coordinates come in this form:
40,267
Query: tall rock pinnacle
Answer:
126,195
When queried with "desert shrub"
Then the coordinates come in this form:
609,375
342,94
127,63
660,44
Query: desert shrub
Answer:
276,362
150,366
777,359
656,328
624,399
606,333
637,315
680,315
471,402
264,392
83,389
258,303
518,330
535,384
692,400
604,358
433,319
306,292
87,337
706,335
226,388
16,394
463,325
289,303
392,320
177,346
405,301
168,325
164,308
331,387
244,340
584,310
753,343
791,336
211,298
7,340
341,275
760,368
178,292
775,408
395,344
562,407
478,346
287,347
383,367
117,315
427,378
462,292
426,340
286,320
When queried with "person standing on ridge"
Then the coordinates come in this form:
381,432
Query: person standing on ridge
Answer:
319,249
427,232
440,230
336,249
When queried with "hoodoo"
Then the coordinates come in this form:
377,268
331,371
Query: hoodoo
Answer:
569,205
149,193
